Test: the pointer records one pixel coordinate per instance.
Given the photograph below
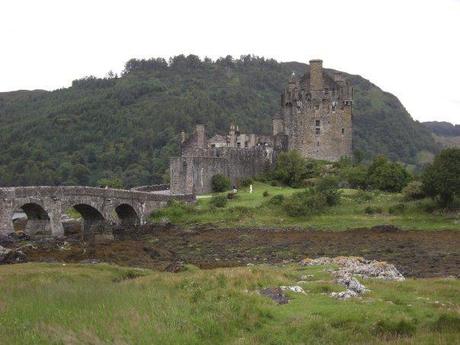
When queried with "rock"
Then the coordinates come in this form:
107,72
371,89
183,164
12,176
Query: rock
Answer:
358,266
352,284
9,256
19,236
6,240
90,261
275,293
175,267
385,228
344,294
294,288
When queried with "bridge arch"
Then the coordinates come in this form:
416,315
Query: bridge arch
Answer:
91,219
38,220
127,214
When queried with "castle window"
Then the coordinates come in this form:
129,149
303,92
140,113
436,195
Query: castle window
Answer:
317,143
213,146
317,131
343,130
238,144
245,144
318,123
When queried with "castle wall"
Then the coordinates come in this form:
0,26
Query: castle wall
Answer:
194,174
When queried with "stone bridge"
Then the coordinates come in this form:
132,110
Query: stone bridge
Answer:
45,206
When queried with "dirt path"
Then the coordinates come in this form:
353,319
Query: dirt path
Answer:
415,253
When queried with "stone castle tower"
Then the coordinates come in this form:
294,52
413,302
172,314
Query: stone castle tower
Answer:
316,115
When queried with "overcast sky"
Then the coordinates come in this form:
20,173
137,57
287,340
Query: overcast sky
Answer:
409,48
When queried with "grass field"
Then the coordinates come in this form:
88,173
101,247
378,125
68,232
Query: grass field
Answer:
103,304
253,210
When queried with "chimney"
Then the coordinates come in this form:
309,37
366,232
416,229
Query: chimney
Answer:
200,136
316,75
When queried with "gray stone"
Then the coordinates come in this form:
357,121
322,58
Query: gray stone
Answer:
45,207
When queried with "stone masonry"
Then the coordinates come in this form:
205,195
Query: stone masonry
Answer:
45,206
315,119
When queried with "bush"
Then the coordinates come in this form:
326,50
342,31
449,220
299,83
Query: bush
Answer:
397,209
329,187
356,177
290,168
373,210
220,183
304,204
413,191
218,201
265,194
441,179
362,196
277,200
387,176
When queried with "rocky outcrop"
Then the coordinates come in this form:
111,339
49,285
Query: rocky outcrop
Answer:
358,266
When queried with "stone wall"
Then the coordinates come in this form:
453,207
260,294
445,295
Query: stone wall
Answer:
45,206
193,174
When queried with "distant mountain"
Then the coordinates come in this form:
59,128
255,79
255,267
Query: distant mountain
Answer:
443,128
445,133
127,127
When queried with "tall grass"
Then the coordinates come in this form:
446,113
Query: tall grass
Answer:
103,304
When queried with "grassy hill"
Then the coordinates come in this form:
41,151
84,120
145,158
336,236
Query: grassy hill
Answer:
127,127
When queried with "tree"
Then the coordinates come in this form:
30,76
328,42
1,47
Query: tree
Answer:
113,182
441,179
290,168
220,183
387,176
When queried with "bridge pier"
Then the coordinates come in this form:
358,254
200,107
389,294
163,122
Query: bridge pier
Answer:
6,212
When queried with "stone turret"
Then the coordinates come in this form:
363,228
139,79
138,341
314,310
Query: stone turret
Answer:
316,75
316,114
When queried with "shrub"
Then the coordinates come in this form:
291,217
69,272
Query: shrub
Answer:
397,209
387,176
265,194
392,328
220,183
356,177
329,187
304,203
441,179
373,210
274,183
362,196
290,168
413,191
277,200
218,201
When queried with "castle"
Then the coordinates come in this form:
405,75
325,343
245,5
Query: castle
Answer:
315,119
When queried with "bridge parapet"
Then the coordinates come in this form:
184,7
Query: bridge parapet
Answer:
49,203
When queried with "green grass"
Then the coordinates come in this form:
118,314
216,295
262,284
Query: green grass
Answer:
253,210
103,304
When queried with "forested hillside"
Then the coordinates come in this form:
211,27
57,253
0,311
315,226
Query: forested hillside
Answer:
127,127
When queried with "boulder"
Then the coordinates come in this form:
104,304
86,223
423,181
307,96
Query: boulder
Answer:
275,293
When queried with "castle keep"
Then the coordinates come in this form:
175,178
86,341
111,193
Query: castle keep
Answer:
315,119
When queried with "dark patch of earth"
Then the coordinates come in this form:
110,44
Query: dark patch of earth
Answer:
415,253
